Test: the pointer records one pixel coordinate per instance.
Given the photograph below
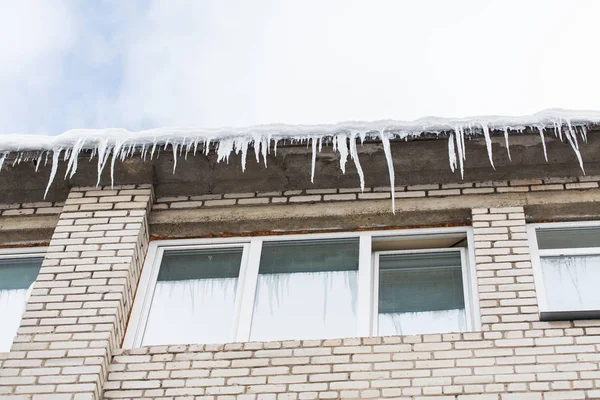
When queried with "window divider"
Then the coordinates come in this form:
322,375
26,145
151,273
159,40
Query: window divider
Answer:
474,322
536,266
364,306
248,281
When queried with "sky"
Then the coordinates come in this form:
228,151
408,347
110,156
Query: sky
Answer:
210,63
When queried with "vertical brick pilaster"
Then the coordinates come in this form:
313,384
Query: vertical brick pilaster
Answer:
507,294
81,299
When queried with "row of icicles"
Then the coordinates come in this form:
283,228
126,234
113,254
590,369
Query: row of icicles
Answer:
345,143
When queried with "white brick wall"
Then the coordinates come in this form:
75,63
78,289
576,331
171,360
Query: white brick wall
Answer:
504,273
81,300
68,344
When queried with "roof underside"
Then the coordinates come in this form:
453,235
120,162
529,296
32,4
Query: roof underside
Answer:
413,162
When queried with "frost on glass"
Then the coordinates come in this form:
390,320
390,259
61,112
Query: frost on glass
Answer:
421,293
306,290
16,277
571,282
194,298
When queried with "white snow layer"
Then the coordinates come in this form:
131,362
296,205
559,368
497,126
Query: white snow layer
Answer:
109,145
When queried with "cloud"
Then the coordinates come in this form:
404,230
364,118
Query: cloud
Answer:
34,38
236,63
142,64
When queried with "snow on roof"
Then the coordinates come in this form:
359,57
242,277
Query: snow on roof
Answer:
567,125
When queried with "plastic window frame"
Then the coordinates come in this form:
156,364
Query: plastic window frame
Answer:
24,252
547,314
247,281
375,289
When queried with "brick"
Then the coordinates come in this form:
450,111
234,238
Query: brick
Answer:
374,196
219,203
261,200
446,192
340,197
305,199
186,204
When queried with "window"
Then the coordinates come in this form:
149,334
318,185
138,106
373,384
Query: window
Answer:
18,271
420,292
566,265
315,286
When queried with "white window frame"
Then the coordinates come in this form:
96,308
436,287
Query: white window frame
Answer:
375,287
545,312
24,252
246,288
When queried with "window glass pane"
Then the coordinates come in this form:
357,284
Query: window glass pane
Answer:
16,276
194,297
421,293
306,290
564,238
571,283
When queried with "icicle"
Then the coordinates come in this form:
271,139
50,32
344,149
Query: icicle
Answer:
116,151
4,158
256,146
72,164
541,131
103,154
583,133
572,133
362,134
224,149
451,153
314,160
188,148
245,153
265,145
153,149
459,138
38,162
388,156
354,156
506,142
559,130
575,148
275,147
174,148
55,159
131,150
342,145
488,142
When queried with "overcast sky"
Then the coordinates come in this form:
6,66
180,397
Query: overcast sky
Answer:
144,64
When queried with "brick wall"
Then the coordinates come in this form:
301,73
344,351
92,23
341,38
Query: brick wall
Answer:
515,356
15,209
68,344
81,299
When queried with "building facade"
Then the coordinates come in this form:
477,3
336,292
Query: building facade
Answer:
217,284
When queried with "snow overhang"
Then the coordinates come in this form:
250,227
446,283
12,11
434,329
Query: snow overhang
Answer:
107,148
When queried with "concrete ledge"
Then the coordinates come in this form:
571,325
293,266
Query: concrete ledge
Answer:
27,229
368,214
